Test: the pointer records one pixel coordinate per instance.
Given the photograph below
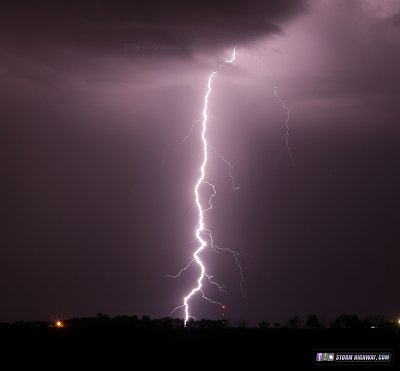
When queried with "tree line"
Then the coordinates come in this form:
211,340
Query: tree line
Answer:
311,321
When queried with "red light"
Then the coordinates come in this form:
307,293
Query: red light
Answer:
223,307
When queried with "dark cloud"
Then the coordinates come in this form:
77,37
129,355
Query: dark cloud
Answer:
396,19
106,26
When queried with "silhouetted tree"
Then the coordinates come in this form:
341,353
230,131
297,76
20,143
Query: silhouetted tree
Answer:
146,318
376,321
243,323
264,324
102,316
191,323
347,321
312,321
294,322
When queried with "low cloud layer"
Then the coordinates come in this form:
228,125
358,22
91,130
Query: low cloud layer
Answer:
105,26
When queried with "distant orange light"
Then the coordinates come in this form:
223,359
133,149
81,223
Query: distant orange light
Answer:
59,324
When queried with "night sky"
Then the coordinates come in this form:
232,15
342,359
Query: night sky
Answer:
97,186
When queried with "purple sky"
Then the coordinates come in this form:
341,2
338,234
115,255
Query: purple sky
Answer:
97,186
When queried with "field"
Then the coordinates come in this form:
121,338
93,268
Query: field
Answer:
117,347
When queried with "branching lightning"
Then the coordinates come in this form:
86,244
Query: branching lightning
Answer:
203,233
286,108
230,167
282,103
190,131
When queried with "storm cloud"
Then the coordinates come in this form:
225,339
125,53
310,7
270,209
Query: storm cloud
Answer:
106,26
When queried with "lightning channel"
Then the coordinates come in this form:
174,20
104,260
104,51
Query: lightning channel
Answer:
200,227
230,167
190,131
286,108
202,233
282,103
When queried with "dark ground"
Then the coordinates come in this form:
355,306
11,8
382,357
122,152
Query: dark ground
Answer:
23,348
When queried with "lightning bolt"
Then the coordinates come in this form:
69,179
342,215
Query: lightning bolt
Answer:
201,231
191,129
230,167
283,104
286,108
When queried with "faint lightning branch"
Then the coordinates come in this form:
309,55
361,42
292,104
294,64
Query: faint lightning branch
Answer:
259,61
230,167
220,287
211,301
286,108
235,254
201,230
191,130
180,272
175,309
214,192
